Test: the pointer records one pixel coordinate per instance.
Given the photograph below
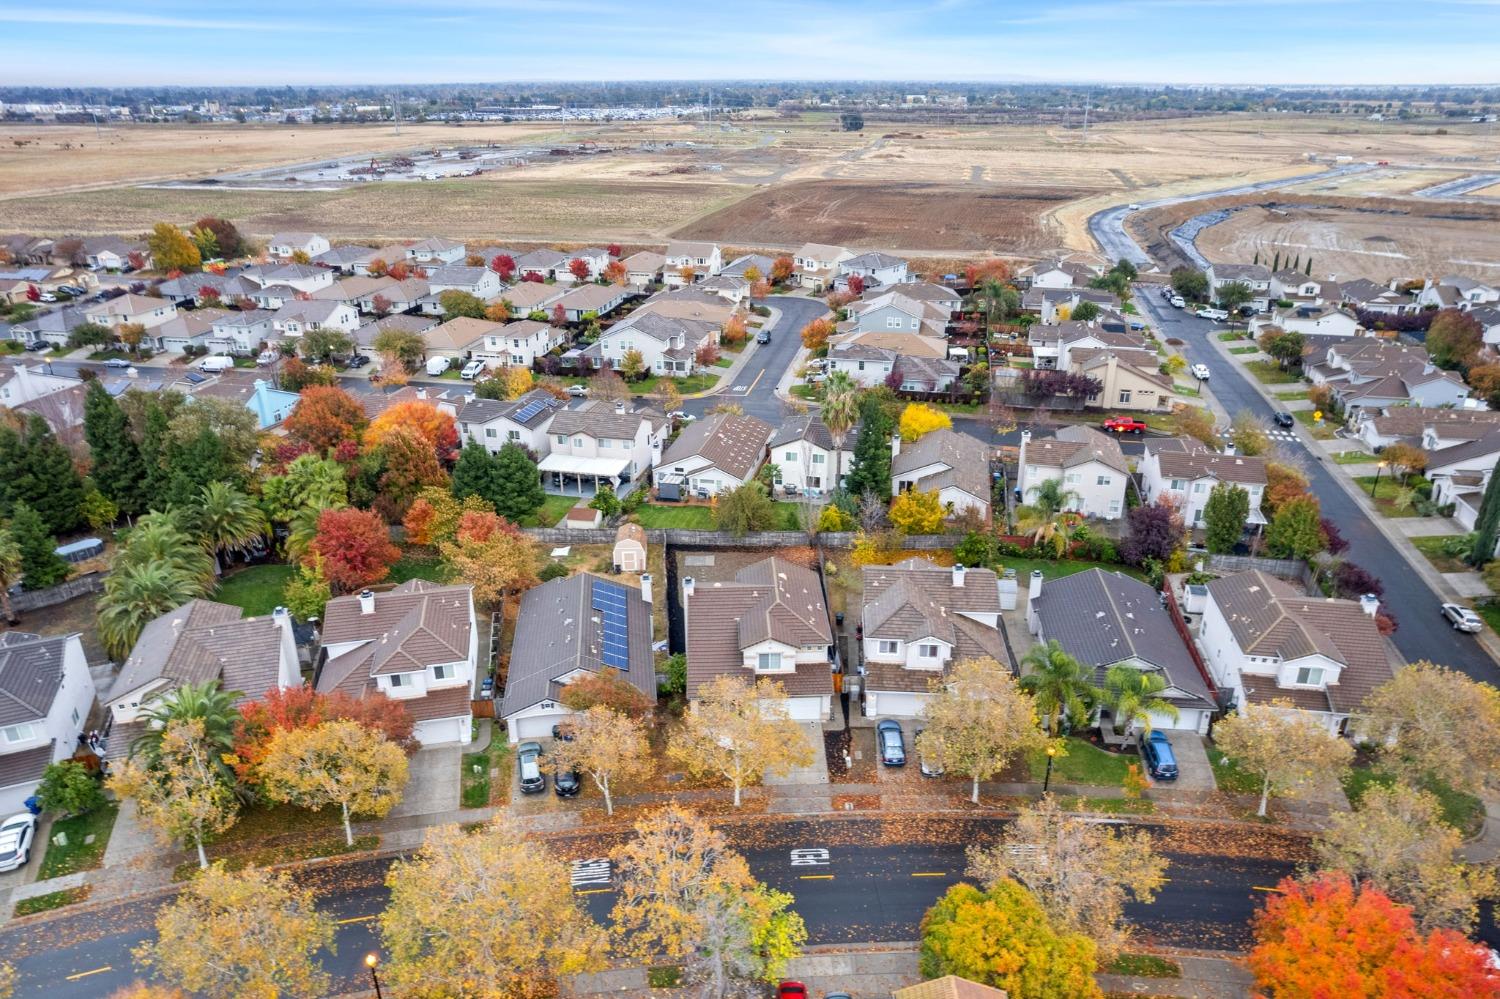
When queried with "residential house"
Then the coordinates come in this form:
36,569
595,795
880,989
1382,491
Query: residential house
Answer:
1374,373
545,264
1184,471
869,366
436,251
518,343
1367,296
397,296
206,287
1454,291
704,259
355,291
63,412
481,282
917,619
741,264
527,297
1256,277
381,259
242,333
46,695
1051,343
1057,274
687,303
364,336
274,296
298,277
297,317
24,250
644,269
1488,318
895,311
51,278
1300,289
769,622
417,643
1084,462
1461,468
21,383
138,309
667,346
523,420
816,265
1425,427
1128,379
111,253
596,259
1264,640
949,987
270,405
285,244
1107,619
592,299
1309,320
715,454
917,373
1053,305
876,270
806,457
458,338
188,329
348,259
198,642
52,327
567,629
599,442
734,290
940,295
954,464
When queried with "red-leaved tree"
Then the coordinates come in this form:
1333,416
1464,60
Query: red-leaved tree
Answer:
285,709
504,265
856,284
1325,938
356,548
324,417
613,249
579,268
533,277
559,315
432,424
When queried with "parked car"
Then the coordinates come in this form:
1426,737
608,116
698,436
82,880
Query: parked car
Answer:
472,370
1208,312
578,391
116,362
38,345
16,834
1285,420
73,289
1157,755
529,763
359,361
1462,618
566,782
1178,302
892,746
1124,425
1200,372
48,297
562,732
791,990
682,416
764,336
931,766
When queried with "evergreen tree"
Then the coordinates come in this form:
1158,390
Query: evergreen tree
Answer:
518,484
118,470
1487,524
1224,517
871,470
477,473
41,566
193,465
38,471
156,475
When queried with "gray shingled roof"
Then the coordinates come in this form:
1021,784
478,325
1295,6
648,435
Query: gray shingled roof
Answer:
966,457
1185,458
1076,445
730,442
31,672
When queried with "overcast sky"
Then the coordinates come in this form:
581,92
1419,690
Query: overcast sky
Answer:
48,42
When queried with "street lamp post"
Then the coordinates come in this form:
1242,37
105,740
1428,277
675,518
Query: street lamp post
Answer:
371,961
1376,484
1051,755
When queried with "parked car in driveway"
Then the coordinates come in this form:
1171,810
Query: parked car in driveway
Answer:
1463,619
791,990
16,834
1209,312
892,746
1285,420
931,765
566,782
529,764
1124,425
578,391
1157,755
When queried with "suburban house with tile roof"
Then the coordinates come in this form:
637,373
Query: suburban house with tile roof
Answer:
949,987
436,251
498,422
869,359
770,621
644,268
298,316
526,297
201,640
1425,426
876,270
1057,274
543,263
1105,619
593,299
715,454
114,312
1455,291
705,259
481,282
46,695
1370,372
1367,296
1054,305
518,343
1265,640
298,277
806,457
1128,379
364,337
599,442
568,628
284,244
1185,472
1256,277
918,619
954,464
1309,320
1083,461
816,265
1052,343
688,303
417,643
894,311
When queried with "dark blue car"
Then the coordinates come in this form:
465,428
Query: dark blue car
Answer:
1156,753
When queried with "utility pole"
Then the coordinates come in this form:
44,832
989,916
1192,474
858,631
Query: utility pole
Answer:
397,105
1087,97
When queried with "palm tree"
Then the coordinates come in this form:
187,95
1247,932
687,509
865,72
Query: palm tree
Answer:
134,595
226,519
1059,684
1132,695
160,538
207,702
1051,498
839,413
10,571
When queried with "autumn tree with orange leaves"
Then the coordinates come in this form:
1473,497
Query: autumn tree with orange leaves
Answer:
410,466
325,417
781,269
816,333
1324,938
492,555
355,546
434,426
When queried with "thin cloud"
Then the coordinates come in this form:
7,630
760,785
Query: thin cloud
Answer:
109,18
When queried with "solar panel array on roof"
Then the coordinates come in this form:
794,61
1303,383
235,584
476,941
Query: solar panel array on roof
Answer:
609,601
530,409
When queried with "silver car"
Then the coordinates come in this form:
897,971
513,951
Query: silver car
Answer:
1462,618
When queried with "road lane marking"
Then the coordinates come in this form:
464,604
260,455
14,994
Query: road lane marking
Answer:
929,874
815,877
810,857
593,871
756,382
594,891
1264,888
85,974
356,919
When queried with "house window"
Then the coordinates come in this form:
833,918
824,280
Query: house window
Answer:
489,431
513,435
443,672
1310,676
1071,478
578,442
817,459
1178,484
770,661
888,648
861,365
1124,395
18,733
1103,480
562,438
893,322
399,680
605,442
789,456
927,651
1198,487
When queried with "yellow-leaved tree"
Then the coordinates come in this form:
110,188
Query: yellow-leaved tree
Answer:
607,746
336,763
517,380
1434,722
919,419
917,511
687,898
182,794
740,731
247,934
1290,751
486,914
978,720
1082,873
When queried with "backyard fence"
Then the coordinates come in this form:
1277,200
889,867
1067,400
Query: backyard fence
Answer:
29,600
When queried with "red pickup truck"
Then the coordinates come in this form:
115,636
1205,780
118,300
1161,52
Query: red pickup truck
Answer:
1124,425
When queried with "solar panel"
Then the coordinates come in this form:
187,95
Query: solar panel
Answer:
610,599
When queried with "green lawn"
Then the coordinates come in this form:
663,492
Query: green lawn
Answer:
79,854
1384,494
52,900
1230,778
476,791
1144,966
1083,764
724,362
1490,612
1057,569
1323,431
1431,547
808,392
1354,458
108,355
552,510
693,518
1463,812
417,565
256,589
1286,396
1270,373
690,385
1244,350
1229,336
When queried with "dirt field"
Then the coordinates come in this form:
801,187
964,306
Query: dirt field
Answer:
903,217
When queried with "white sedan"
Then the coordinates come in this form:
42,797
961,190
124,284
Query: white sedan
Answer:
1201,372
1462,618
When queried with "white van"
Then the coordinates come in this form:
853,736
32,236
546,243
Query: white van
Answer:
217,364
436,366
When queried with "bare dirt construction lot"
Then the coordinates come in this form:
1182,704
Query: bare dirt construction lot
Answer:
768,181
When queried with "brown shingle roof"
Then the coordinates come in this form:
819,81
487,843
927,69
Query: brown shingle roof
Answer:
1185,458
966,457
1076,445
950,987
416,625
774,599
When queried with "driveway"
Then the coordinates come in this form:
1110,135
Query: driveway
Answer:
1194,772
817,773
433,786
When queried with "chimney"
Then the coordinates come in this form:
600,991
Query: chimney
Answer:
1032,624
1229,447
958,575
687,587
366,602
620,406
281,614
421,392
646,587
895,445
1369,603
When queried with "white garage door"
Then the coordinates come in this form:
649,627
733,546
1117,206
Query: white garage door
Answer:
537,726
805,708
890,704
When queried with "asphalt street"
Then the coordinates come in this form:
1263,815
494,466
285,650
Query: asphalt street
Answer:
1422,632
754,387
852,883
